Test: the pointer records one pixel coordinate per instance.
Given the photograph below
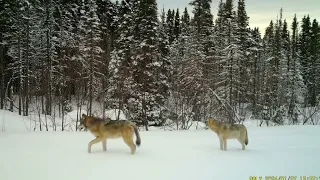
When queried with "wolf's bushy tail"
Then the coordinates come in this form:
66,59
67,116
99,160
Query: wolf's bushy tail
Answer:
247,140
138,139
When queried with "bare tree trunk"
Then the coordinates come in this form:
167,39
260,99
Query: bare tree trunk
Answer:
2,85
144,113
53,115
62,106
42,105
20,75
91,76
78,109
49,61
10,95
103,98
26,83
46,125
39,108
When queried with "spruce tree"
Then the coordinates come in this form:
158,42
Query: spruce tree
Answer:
285,64
165,72
6,29
120,67
305,55
171,25
177,28
228,50
314,63
245,60
255,50
219,37
147,98
91,51
185,31
202,54
20,51
267,56
64,44
296,85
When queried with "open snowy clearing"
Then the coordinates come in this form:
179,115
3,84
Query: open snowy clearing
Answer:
170,155
163,155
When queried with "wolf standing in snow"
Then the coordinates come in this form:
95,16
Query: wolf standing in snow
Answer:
110,129
227,131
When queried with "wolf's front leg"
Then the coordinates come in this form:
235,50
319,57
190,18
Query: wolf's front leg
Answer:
224,144
221,143
104,145
96,140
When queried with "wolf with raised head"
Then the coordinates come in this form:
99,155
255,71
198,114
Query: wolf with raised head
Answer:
104,129
227,131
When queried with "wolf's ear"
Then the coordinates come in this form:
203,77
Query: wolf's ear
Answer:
83,115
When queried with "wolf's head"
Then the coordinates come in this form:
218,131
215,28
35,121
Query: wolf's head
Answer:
84,122
213,124
212,121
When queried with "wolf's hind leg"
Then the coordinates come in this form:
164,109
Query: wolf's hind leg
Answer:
104,145
129,141
242,144
96,140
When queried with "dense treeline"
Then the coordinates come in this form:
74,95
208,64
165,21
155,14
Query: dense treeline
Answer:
156,64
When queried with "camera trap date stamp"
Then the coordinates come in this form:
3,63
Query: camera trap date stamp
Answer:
284,178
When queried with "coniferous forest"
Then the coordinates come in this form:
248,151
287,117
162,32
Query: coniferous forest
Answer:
157,65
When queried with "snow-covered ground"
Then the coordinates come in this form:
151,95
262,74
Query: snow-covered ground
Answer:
163,155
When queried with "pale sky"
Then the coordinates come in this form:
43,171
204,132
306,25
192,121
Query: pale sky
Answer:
261,12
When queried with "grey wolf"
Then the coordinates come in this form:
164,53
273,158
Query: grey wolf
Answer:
227,131
104,129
